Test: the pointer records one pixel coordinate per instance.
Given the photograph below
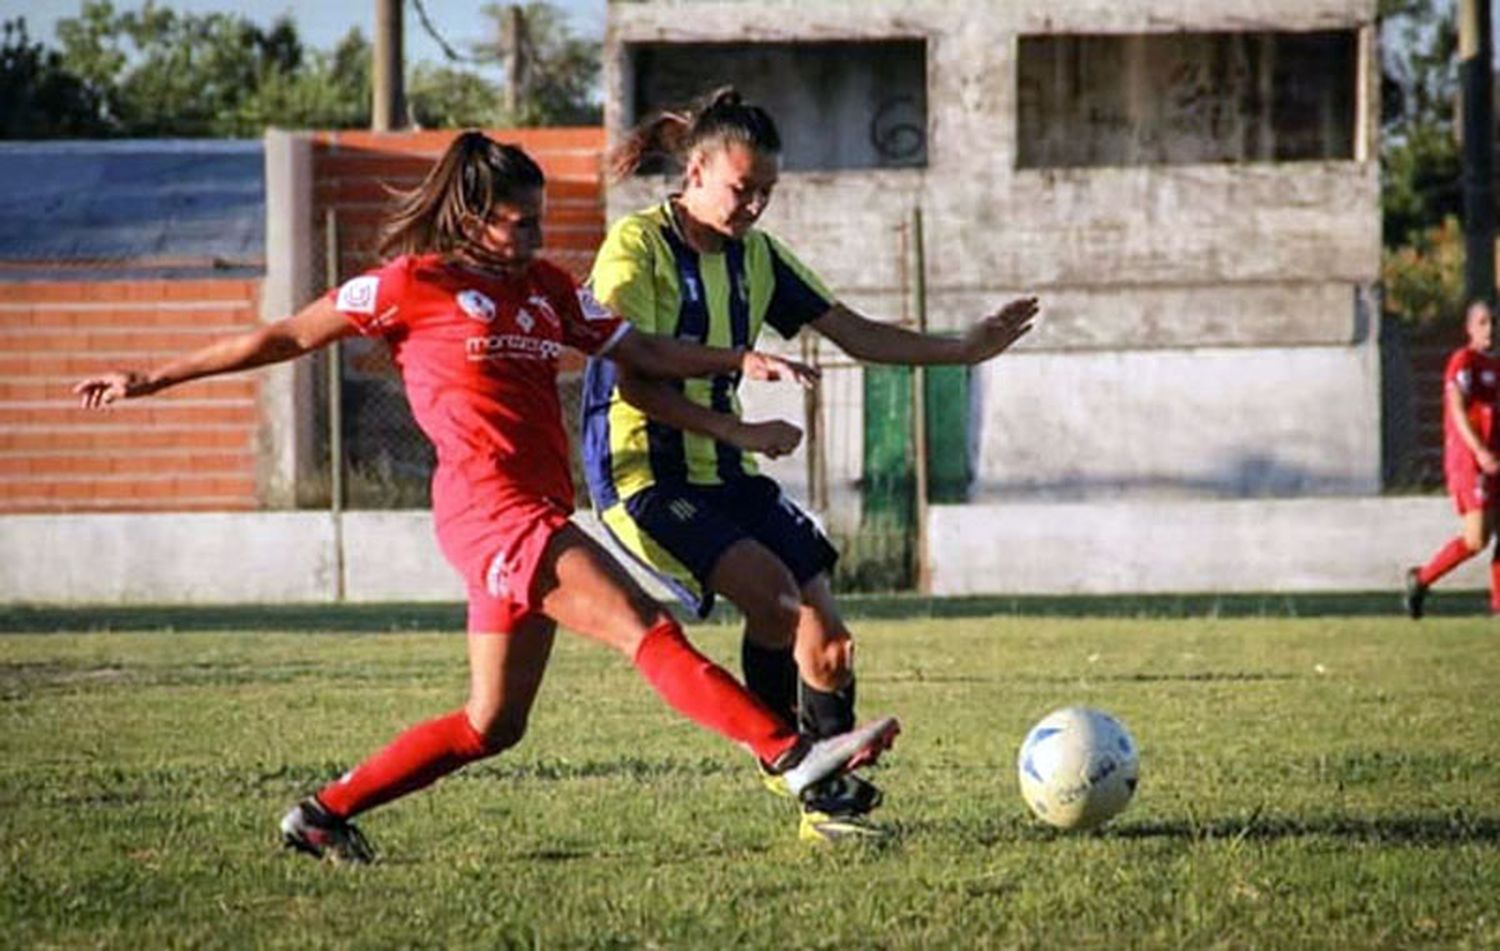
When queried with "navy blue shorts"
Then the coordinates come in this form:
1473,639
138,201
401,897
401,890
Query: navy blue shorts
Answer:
680,532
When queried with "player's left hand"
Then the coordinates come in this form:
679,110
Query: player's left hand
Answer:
99,391
763,366
994,334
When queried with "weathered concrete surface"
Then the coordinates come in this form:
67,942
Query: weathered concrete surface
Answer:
259,557
1208,422
1106,234
287,441
1133,264
231,558
1312,544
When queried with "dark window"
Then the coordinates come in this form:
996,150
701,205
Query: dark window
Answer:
1174,98
838,105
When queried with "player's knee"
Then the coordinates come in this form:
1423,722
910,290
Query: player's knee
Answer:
631,625
773,610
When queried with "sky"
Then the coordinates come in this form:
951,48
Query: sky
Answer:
321,25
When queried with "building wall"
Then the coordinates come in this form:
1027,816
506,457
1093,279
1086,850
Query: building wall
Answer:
1242,545
1185,266
194,448
353,172
232,443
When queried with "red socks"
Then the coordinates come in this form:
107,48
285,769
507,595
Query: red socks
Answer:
690,682
703,692
1450,556
420,756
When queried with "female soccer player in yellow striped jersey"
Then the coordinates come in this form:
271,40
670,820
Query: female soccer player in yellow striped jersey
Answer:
668,463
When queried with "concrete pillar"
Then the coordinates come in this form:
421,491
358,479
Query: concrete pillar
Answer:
287,438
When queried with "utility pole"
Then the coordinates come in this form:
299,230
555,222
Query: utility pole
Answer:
1475,71
513,41
388,110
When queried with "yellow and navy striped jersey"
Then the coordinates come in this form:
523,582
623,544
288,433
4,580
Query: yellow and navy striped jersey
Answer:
647,273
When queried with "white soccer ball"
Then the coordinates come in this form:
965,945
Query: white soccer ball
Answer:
1078,768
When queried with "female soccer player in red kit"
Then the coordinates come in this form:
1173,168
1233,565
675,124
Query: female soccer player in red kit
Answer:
1471,386
475,323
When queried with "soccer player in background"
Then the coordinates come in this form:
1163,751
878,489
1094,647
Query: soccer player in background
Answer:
1471,385
666,461
475,323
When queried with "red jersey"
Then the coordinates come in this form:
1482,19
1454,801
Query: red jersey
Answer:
478,355
1476,376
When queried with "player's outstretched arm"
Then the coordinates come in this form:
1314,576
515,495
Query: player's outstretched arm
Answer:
313,327
665,404
870,341
661,357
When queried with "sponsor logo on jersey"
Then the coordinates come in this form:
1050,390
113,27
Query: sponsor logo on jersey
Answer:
524,320
1487,377
475,305
357,295
592,309
682,510
511,347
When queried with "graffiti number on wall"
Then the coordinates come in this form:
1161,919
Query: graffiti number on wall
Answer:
898,130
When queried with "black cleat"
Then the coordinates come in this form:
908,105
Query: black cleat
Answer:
845,795
313,830
1414,595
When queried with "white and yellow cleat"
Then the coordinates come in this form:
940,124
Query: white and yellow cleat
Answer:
828,828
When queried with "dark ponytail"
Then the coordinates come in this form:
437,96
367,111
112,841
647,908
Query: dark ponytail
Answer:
721,118
468,180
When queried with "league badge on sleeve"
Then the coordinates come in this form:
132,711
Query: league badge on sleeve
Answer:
357,295
592,309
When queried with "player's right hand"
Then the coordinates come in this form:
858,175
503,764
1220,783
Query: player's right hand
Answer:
772,438
994,334
99,391
764,366
1488,464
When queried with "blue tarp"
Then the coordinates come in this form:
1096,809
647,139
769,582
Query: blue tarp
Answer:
133,206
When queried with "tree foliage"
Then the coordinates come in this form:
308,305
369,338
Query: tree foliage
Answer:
1421,168
156,72
559,70
39,97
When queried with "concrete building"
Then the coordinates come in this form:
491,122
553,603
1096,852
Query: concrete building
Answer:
1191,188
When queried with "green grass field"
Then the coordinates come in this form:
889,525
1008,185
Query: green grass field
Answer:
1324,781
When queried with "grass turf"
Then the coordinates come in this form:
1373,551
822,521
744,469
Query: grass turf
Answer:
1306,781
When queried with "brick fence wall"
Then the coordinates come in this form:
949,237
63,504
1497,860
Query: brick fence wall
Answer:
352,172
195,448
188,449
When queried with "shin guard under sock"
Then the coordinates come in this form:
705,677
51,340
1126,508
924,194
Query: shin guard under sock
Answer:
704,692
416,758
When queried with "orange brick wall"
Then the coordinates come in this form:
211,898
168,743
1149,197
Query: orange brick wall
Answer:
187,449
352,169
195,448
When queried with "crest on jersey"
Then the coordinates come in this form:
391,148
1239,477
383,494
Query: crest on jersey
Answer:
1487,377
525,321
476,305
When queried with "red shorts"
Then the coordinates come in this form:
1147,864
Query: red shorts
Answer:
1472,490
496,541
